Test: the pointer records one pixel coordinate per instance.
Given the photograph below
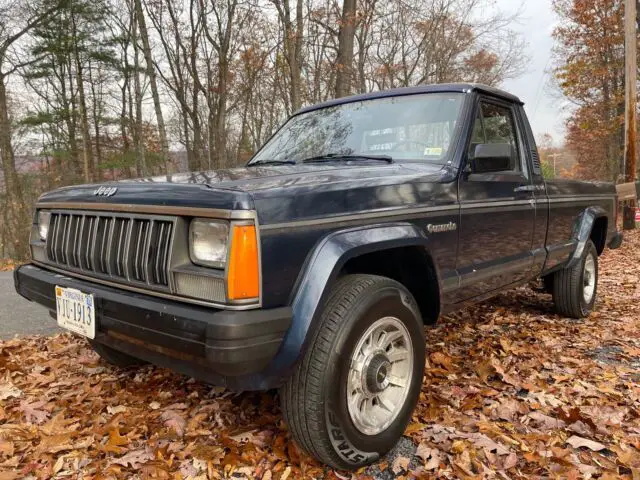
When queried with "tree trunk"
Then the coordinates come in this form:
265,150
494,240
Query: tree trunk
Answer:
141,159
153,80
15,199
344,60
221,114
89,173
97,115
292,43
69,105
296,65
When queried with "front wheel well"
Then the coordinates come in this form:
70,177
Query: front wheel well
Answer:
411,266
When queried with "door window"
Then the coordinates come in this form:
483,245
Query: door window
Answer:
495,124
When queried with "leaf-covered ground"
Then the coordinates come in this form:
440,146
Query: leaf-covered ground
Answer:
511,390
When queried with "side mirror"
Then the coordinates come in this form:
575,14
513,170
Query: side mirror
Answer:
491,157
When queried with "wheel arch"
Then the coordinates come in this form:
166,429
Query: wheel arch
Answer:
335,255
592,224
411,266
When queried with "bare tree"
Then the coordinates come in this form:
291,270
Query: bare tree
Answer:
141,158
344,60
153,78
17,19
292,40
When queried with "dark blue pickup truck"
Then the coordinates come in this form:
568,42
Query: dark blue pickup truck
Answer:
314,268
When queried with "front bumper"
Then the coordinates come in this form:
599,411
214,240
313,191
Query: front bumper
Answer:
221,347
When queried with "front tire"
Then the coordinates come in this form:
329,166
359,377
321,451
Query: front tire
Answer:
575,289
353,392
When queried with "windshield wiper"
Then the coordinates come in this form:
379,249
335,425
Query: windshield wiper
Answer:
271,162
330,157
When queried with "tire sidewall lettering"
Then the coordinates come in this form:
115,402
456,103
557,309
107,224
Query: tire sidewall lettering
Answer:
342,446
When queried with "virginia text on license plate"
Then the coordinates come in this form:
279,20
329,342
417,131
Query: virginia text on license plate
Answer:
76,311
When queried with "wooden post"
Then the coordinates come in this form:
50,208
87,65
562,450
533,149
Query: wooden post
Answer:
631,98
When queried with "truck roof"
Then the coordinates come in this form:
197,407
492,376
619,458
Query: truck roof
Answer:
440,87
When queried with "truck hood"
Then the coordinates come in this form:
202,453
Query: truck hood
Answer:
277,192
251,179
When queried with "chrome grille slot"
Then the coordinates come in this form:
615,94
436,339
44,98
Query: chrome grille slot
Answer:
87,242
139,249
159,252
117,252
123,248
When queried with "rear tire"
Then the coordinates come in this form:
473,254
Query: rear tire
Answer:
575,289
115,357
353,392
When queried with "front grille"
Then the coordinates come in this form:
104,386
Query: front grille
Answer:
122,248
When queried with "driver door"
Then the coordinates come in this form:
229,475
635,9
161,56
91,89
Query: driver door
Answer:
497,208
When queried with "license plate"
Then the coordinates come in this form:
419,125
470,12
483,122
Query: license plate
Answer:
76,311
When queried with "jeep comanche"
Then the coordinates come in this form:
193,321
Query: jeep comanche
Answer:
314,268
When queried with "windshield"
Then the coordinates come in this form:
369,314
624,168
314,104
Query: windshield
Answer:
409,127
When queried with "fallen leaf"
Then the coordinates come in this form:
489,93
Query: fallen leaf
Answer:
118,409
134,458
423,451
174,420
510,461
400,464
430,456
243,436
7,448
117,440
480,440
9,475
9,390
577,442
33,412
55,443
439,358
59,464
286,473
413,428
545,422
58,424
508,410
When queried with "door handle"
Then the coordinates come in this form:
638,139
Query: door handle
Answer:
525,189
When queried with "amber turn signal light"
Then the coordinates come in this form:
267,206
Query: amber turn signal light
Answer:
243,277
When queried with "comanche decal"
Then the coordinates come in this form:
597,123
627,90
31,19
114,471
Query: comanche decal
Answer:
443,227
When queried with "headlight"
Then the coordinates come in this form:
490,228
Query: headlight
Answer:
43,224
208,240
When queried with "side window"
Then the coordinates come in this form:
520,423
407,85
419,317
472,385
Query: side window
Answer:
499,127
495,124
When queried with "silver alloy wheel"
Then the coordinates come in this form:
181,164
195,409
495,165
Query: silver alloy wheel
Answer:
380,375
589,279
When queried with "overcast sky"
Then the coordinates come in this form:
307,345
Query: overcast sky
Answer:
545,109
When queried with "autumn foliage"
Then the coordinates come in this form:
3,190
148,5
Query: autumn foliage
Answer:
590,72
510,390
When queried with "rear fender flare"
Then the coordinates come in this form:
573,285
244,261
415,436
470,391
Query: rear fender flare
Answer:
320,272
582,232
